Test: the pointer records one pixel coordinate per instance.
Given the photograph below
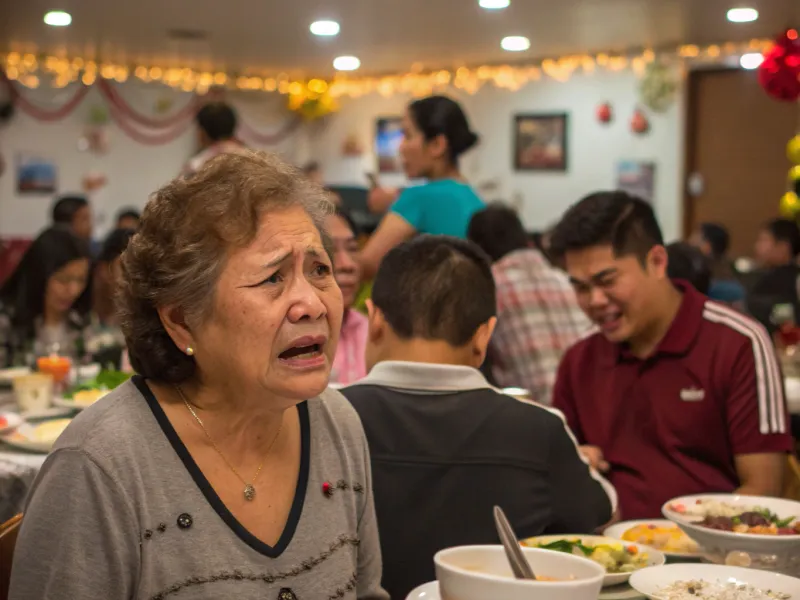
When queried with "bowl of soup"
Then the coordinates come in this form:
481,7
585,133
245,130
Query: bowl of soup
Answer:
483,572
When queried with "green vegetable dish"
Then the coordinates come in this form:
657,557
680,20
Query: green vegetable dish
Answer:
616,558
89,392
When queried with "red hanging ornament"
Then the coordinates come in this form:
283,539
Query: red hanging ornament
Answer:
639,122
605,113
779,73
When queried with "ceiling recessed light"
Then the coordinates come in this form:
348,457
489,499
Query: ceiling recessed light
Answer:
515,43
58,18
742,15
326,28
494,4
346,63
751,60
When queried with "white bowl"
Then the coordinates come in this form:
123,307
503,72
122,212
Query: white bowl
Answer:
618,530
483,573
769,552
654,557
650,581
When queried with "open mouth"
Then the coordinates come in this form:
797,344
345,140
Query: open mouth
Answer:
302,352
609,321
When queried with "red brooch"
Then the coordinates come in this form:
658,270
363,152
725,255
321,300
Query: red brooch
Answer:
327,489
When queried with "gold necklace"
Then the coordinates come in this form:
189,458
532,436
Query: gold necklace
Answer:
249,488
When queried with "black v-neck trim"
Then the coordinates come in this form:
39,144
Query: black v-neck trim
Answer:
212,497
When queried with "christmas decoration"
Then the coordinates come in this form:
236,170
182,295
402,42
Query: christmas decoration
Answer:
312,100
659,86
61,71
779,73
639,122
790,205
605,113
793,150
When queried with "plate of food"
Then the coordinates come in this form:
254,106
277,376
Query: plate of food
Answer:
697,581
36,437
9,421
746,531
87,393
619,558
661,534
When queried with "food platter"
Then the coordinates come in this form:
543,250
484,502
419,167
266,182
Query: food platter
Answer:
619,558
767,551
661,534
36,437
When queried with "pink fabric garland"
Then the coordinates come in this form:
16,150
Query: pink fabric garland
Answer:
114,97
41,114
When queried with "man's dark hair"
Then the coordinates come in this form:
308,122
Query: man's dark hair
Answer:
688,263
129,213
784,230
217,120
436,288
625,222
498,231
65,208
717,237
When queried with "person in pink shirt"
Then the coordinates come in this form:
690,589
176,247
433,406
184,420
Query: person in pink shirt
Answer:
349,364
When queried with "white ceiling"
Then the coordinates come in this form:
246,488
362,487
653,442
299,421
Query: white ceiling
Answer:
387,35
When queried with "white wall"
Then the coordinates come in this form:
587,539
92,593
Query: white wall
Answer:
133,170
594,149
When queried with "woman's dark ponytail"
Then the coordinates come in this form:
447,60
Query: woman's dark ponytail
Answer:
440,115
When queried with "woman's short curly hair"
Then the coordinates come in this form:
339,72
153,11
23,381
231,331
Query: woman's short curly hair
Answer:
187,230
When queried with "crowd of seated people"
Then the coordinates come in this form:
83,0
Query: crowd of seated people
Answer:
60,297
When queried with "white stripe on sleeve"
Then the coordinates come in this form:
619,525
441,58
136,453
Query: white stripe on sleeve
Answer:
771,405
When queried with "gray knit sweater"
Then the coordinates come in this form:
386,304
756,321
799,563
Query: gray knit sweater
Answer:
120,511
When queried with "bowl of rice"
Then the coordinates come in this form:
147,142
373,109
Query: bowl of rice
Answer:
713,582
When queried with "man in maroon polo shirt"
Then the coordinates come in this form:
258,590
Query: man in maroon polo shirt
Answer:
675,394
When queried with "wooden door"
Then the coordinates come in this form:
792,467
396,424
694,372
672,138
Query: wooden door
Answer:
736,148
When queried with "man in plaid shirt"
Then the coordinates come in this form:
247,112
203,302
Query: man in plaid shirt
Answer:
538,317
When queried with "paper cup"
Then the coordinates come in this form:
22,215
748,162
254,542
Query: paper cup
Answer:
33,392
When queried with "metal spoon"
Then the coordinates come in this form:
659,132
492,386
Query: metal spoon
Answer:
519,564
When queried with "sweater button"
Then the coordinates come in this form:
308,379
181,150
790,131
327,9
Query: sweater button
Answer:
185,521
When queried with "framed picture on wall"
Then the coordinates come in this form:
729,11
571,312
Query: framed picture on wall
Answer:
388,135
35,174
637,178
540,142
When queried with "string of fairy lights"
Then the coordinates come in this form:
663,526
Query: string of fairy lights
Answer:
32,71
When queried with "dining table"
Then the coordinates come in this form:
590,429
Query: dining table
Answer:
18,468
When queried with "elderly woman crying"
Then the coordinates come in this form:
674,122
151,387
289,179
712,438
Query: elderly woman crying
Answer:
224,469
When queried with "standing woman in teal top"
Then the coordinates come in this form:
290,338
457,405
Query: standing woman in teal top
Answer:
435,134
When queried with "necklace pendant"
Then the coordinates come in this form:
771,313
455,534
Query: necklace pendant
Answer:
249,492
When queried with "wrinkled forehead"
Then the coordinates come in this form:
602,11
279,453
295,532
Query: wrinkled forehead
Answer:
280,234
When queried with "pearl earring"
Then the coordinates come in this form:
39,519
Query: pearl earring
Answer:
189,351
